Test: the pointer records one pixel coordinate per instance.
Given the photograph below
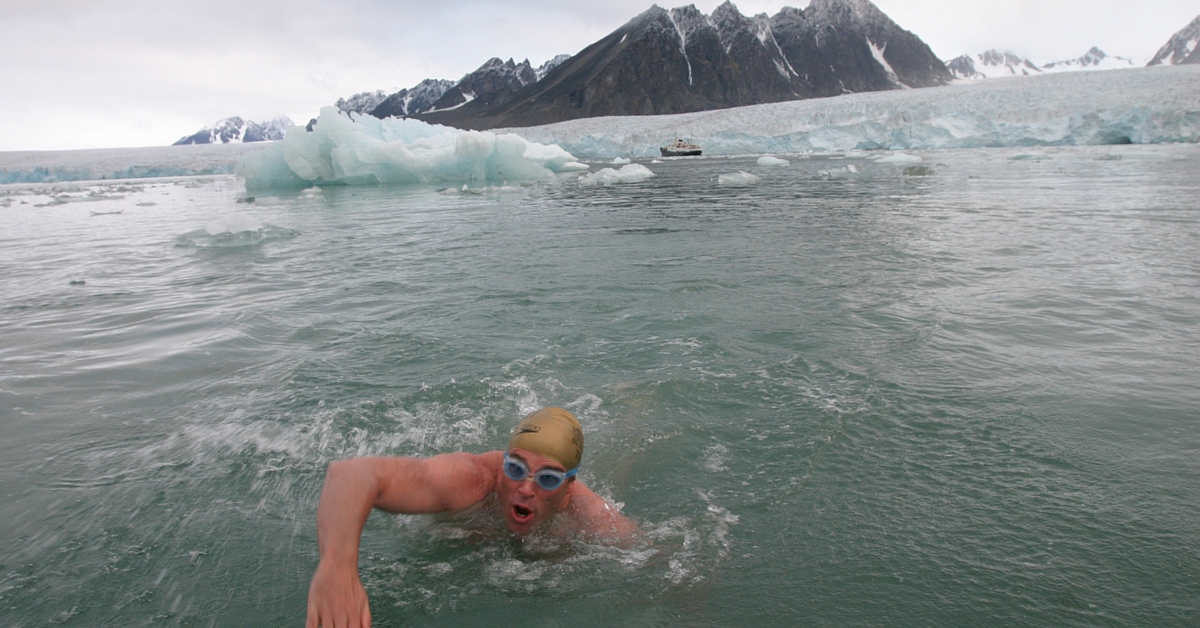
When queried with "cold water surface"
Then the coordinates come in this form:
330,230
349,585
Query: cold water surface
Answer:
829,399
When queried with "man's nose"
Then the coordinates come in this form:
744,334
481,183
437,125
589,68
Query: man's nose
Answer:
525,487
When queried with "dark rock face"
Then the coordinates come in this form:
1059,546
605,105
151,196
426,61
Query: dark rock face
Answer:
493,85
412,100
1182,49
682,60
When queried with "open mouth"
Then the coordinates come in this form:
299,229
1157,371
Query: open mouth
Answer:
521,514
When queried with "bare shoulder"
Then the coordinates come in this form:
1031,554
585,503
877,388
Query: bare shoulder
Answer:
451,481
598,517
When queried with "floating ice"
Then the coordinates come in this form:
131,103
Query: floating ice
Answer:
620,161
233,233
900,158
770,160
345,149
1140,106
737,178
632,173
845,173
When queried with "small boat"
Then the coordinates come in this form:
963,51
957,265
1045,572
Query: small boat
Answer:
680,148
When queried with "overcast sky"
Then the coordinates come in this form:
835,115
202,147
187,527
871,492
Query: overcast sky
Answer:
110,73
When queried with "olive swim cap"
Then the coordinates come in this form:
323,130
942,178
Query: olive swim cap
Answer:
553,433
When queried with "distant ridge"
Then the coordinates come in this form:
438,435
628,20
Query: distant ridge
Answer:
1182,48
235,130
993,64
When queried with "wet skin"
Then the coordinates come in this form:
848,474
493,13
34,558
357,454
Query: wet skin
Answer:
527,505
446,482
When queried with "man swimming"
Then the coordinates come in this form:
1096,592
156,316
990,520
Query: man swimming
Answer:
533,481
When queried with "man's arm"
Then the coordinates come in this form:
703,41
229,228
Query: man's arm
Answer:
600,519
336,597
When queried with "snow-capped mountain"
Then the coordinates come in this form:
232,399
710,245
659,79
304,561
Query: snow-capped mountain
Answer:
362,102
493,85
991,64
1183,47
683,60
1093,59
412,100
545,68
237,130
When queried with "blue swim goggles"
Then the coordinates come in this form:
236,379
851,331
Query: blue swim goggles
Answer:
548,479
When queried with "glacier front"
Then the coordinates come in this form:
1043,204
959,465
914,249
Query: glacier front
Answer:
1138,106
1141,106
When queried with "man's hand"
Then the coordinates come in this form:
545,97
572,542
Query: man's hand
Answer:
336,598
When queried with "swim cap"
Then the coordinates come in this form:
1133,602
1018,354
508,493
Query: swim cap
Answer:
553,433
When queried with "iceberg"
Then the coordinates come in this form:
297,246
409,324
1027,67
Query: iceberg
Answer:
771,160
1138,106
739,178
632,173
353,149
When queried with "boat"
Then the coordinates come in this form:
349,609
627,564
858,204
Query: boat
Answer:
680,148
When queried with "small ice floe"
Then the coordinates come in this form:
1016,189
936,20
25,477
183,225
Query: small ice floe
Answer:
656,161
232,224
620,161
847,172
487,190
737,178
112,213
233,232
631,173
771,160
573,166
900,157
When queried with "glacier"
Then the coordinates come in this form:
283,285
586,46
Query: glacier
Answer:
1141,106
1138,106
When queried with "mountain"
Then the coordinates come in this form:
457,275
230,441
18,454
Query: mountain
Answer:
545,68
991,64
363,102
1093,59
1182,48
412,100
237,130
493,85
682,60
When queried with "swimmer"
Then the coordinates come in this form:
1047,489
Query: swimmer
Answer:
533,480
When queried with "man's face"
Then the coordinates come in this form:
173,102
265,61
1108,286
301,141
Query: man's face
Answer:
525,503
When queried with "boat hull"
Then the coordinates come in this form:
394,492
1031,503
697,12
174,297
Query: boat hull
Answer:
679,152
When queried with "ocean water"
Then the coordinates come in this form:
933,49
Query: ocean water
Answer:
831,398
